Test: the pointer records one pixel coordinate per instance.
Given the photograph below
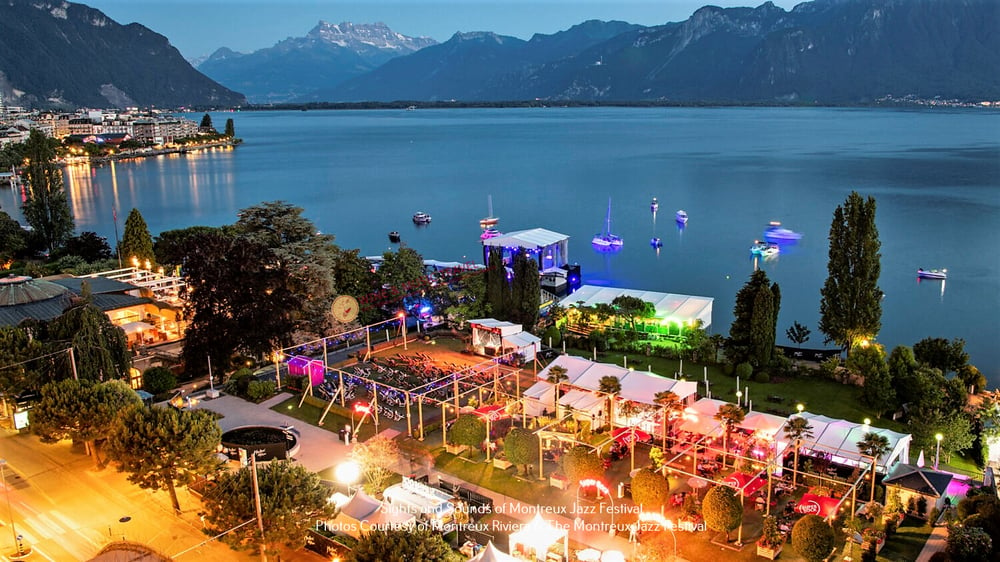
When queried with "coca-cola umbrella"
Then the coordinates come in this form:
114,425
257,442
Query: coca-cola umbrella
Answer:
626,435
492,412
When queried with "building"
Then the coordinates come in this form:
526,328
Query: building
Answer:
914,483
549,249
494,337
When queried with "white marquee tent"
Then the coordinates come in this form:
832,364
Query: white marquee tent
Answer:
839,438
680,309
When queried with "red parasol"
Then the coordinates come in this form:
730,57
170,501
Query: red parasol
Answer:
817,505
744,482
624,435
492,412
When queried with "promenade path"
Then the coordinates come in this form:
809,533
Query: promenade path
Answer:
936,542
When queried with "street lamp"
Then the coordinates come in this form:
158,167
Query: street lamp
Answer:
937,456
739,398
402,321
800,407
10,512
347,473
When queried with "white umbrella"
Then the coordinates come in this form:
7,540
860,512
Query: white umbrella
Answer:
920,459
612,556
588,555
697,483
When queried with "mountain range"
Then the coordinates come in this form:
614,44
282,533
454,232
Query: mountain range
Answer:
328,55
61,54
823,52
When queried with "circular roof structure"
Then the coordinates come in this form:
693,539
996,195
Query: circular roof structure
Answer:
21,289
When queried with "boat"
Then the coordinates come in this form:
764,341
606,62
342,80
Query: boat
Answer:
606,239
932,273
490,220
775,231
490,233
421,217
655,205
655,242
681,216
765,249
394,237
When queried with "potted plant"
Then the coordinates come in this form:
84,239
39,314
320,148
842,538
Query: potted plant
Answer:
874,536
771,540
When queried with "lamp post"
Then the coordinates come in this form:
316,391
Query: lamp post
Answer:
937,456
739,398
10,512
347,473
800,407
402,322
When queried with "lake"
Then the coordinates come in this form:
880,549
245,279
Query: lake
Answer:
361,174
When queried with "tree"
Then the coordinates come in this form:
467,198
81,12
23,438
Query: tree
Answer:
377,457
233,284
730,415
812,538
610,385
206,122
469,431
62,413
671,406
498,291
722,510
402,545
100,347
851,304
875,446
137,244
972,378
89,246
650,489
902,368
230,128
161,447
403,269
939,353
468,299
969,544
557,375
157,380
46,208
12,239
17,348
877,392
632,308
308,256
796,430
292,499
955,429
353,276
521,447
174,246
752,333
582,463
798,334
525,291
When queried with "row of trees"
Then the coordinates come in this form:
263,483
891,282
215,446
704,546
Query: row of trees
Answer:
512,298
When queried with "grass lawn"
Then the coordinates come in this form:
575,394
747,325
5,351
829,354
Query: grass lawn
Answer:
310,414
526,489
907,543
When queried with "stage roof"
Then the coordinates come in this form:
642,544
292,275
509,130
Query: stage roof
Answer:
531,239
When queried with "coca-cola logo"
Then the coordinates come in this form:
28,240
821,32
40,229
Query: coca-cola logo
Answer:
810,506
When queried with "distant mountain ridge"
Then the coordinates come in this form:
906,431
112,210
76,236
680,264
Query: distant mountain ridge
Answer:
825,51
61,54
328,55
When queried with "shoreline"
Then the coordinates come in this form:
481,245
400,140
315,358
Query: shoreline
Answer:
147,153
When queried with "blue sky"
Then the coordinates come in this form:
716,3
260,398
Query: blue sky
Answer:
198,27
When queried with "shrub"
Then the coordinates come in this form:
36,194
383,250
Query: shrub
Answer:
969,544
650,489
728,369
744,370
722,509
259,390
812,538
761,376
922,505
239,382
553,333
157,380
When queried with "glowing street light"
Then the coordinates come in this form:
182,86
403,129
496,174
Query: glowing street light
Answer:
800,407
653,517
402,322
937,456
348,473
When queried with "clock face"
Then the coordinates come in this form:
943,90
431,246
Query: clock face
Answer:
345,308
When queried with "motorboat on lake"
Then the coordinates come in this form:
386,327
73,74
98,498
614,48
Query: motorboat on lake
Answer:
681,216
489,221
394,237
606,240
655,242
421,217
932,273
490,233
655,205
765,249
775,232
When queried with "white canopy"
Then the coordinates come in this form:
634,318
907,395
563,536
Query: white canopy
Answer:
490,553
538,535
700,416
643,386
680,309
360,506
539,398
583,401
637,386
840,439
531,239
763,423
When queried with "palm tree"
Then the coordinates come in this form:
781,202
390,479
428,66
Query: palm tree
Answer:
557,374
611,386
671,405
730,415
874,445
796,429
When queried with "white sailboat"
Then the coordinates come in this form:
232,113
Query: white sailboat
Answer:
490,221
606,239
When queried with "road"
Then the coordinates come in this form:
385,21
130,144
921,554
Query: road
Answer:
67,509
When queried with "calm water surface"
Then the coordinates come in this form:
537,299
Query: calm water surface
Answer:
935,175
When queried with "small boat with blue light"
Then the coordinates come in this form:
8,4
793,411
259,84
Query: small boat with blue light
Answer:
775,232
681,216
654,206
421,217
655,242
932,273
765,249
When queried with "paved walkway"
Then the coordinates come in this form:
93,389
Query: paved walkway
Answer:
937,542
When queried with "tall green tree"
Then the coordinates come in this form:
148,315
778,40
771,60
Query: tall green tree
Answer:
755,320
582,463
206,122
851,304
813,538
377,457
940,353
633,308
730,415
239,299
136,241
525,291
46,208
308,256
230,128
521,447
17,348
12,240
172,247
162,447
403,545
877,392
498,294
89,246
100,348
292,500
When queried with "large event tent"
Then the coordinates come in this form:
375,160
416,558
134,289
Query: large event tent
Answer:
839,438
670,308
700,417
637,386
